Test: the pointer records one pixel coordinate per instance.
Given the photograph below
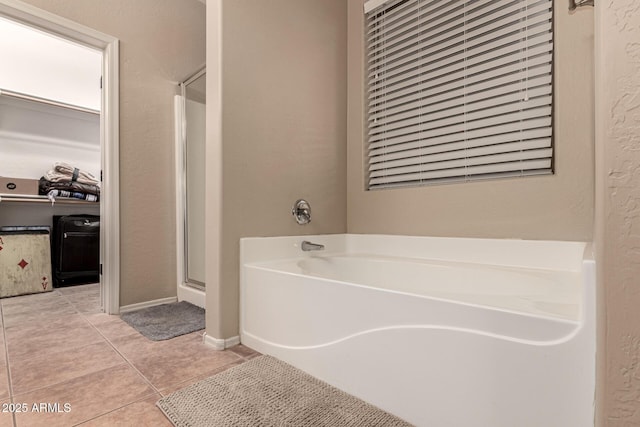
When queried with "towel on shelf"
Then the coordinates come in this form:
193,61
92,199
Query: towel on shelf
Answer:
64,172
45,186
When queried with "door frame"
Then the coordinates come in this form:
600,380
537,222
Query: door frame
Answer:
109,134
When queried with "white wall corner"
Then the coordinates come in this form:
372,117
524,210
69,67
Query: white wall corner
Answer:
219,343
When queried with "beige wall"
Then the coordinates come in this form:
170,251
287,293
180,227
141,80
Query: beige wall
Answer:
161,43
556,207
618,209
282,131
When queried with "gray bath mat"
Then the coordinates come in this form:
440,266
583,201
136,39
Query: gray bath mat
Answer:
268,392
166,321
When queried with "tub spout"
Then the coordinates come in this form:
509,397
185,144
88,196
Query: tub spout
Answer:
308,246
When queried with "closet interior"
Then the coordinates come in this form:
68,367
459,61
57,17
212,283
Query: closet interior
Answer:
50,161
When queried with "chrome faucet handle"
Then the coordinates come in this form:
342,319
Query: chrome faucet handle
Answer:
301,211
574,4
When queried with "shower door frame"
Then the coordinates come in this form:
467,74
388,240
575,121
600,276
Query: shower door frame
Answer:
189,290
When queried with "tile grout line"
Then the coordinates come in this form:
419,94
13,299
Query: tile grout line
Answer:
116,409
121,355
144,378
70,379
130,363
69,302
113,347
108,341
208,375
156,390
77,312
241,359
8,361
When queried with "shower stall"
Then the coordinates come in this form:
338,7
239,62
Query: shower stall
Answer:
190,107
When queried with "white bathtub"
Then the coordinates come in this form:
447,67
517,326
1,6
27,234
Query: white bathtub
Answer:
441,332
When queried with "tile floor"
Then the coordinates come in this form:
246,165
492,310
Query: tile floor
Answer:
58,348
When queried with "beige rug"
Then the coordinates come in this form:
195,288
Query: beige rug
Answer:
268,392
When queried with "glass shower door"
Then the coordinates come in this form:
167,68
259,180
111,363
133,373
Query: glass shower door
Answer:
194,96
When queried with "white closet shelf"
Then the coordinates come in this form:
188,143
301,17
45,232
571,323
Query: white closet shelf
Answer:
45,101
26,198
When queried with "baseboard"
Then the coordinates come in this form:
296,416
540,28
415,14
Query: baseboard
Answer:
138,306
220,344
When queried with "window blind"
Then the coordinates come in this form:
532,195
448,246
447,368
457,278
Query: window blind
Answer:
458,90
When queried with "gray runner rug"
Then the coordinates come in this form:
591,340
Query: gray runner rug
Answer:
268,392
166,321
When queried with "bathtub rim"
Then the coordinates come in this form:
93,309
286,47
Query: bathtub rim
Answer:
264,266
570,258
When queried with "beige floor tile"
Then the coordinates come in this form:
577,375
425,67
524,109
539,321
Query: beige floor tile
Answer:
87,305
48,369
4,383
38,314
85,302
50,304
67,321
97,319
180,385
89,396
142,413
89,308
3,349
244,351
84,298
170,362
72,290
137,344
6,417
30,299
111,326
46,340
23,304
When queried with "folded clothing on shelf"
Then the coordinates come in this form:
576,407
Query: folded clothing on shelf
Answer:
73,186
64,180
64,172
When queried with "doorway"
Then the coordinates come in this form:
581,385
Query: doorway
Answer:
46,22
